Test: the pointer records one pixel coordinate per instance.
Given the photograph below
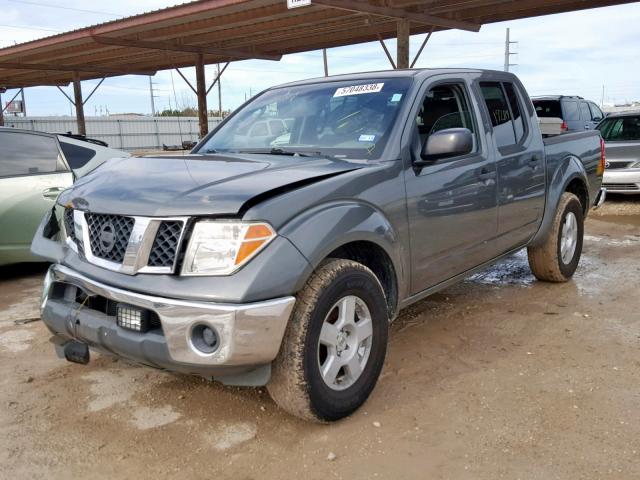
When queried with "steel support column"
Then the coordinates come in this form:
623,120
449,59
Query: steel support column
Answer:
201,91
326,64
403,29
77,95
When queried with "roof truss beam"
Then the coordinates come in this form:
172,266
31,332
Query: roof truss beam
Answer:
398,13
177,47
72,68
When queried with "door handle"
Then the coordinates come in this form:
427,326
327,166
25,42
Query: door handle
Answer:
52,193
486,174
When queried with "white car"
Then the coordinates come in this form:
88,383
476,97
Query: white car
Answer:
621,134
35,167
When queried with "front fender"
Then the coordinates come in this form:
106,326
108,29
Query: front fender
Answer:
324,228
569,168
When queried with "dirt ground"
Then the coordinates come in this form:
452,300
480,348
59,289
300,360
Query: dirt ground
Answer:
498,377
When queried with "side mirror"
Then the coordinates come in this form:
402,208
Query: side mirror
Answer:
447,143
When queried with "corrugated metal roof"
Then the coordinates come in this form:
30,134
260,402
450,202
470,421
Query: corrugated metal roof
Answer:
226,30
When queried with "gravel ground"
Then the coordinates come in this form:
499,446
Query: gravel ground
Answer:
498,377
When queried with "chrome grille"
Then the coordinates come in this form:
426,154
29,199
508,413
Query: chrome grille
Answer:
165,246
69,225
109,235
618,165
613,187
70,228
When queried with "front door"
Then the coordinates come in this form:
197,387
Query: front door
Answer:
452,206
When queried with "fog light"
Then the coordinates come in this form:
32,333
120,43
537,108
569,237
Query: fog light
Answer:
205,338
132,318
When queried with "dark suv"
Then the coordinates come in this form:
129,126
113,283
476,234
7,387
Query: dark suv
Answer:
577,114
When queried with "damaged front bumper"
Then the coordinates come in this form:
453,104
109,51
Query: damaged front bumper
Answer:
77,308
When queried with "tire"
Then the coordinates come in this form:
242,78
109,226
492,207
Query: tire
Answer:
297,384
551,261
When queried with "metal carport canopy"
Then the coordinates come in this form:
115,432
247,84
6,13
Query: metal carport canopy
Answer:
216,31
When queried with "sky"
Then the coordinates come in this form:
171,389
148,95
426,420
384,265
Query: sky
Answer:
574,53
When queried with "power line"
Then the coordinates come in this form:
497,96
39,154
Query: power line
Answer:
25,27
62,7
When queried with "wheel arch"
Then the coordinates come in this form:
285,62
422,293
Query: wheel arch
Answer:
569,176
355,231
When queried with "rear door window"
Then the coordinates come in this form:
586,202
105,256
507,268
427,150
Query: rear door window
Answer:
585,113
514,103
571,111
77,156
499,113
27,154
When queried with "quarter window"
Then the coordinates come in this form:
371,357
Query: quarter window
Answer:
76,155
571,111
27,154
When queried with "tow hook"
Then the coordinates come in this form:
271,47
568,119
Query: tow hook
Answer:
76,352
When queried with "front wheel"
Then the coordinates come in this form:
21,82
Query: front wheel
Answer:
557,258
335,344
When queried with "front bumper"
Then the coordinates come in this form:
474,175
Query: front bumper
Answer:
622,180
249,334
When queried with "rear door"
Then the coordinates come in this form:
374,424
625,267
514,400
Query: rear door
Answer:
32,175
585,116
521,167
571,115
451,202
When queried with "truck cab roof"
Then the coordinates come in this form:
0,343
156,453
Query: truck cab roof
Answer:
420,73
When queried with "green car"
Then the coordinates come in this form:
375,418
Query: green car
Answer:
34,168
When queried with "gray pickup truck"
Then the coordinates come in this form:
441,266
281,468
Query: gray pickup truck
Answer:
281,261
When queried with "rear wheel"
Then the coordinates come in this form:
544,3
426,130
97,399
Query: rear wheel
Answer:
335,344
556,260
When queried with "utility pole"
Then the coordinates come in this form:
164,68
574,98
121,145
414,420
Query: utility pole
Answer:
326,65
153,103
508,53
602,98
219,93
2,90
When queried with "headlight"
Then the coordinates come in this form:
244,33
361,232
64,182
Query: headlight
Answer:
222,247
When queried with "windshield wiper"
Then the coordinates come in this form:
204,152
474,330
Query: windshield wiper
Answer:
280,151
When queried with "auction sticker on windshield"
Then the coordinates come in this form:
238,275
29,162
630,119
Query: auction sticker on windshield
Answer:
358,89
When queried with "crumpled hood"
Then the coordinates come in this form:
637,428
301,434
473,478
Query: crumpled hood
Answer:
193,184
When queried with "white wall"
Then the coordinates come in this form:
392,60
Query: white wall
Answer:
125,132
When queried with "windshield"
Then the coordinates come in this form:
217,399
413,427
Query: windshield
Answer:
620,129
350,119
